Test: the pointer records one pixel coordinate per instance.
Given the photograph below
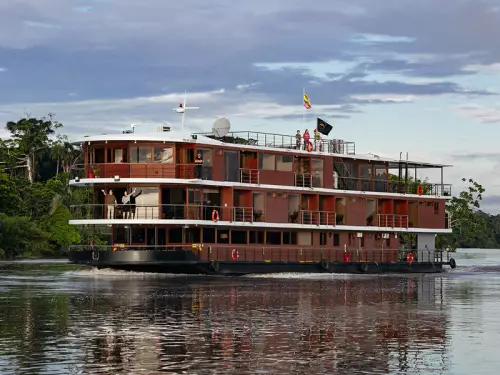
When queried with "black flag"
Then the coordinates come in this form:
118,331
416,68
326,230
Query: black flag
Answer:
323,127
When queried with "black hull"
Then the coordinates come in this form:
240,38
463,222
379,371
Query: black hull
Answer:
185,262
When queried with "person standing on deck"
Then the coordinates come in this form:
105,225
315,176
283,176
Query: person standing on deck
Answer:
198,168
317,140
110,200
132,205
306,138
298,140
126,205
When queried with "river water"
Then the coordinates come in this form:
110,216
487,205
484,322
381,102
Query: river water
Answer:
57,318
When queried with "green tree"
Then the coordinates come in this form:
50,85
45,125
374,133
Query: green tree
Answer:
10,201
30,136
60,233
464,218
19,236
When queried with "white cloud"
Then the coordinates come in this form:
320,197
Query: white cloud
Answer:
492,68
2,69
484,114
111,115
244,86
387,98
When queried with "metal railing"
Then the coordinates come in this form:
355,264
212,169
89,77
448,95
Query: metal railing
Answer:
389,186
330,146
282,253
392,221
249,176
252,176
162,211
303,179
243,215
141,170
315,217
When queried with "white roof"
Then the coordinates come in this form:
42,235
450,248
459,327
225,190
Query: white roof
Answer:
187,137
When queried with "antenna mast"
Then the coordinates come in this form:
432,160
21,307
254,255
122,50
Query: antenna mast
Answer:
182,110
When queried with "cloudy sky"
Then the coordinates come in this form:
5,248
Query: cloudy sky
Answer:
421,77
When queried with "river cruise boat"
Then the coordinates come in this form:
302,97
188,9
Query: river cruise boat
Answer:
248,202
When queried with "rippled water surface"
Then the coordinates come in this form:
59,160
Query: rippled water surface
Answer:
61,319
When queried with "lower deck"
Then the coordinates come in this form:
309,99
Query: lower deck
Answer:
185,261
291,243
193,248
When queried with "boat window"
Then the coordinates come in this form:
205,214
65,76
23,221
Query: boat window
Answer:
164,155
222,236
336,239
98,154
208,235
322,239
267,162
174,235
317,172
140,154
273,238
289,238
117,155
231,168
380,178
239,237
257,236
138,235
192,235
284,163
120,235
304,238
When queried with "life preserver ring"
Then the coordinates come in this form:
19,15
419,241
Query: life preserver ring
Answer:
235,255
215,215
410,258
309,146
420,190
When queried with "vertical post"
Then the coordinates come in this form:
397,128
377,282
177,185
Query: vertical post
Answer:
303,108
442,181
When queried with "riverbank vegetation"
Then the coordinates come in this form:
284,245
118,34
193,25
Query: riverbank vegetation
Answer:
35,165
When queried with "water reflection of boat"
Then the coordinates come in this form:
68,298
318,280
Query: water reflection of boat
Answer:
319,326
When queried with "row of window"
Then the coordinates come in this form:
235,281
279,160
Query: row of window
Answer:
163,236
165,155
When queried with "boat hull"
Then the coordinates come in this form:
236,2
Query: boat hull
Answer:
185,262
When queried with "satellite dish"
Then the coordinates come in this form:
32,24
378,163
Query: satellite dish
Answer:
221,127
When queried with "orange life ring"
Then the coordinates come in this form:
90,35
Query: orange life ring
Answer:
215,215
234,254
420,190
410,258
309,146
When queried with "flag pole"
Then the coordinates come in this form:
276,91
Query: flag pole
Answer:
303,108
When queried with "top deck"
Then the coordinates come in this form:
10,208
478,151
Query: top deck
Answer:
256,141
281,141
